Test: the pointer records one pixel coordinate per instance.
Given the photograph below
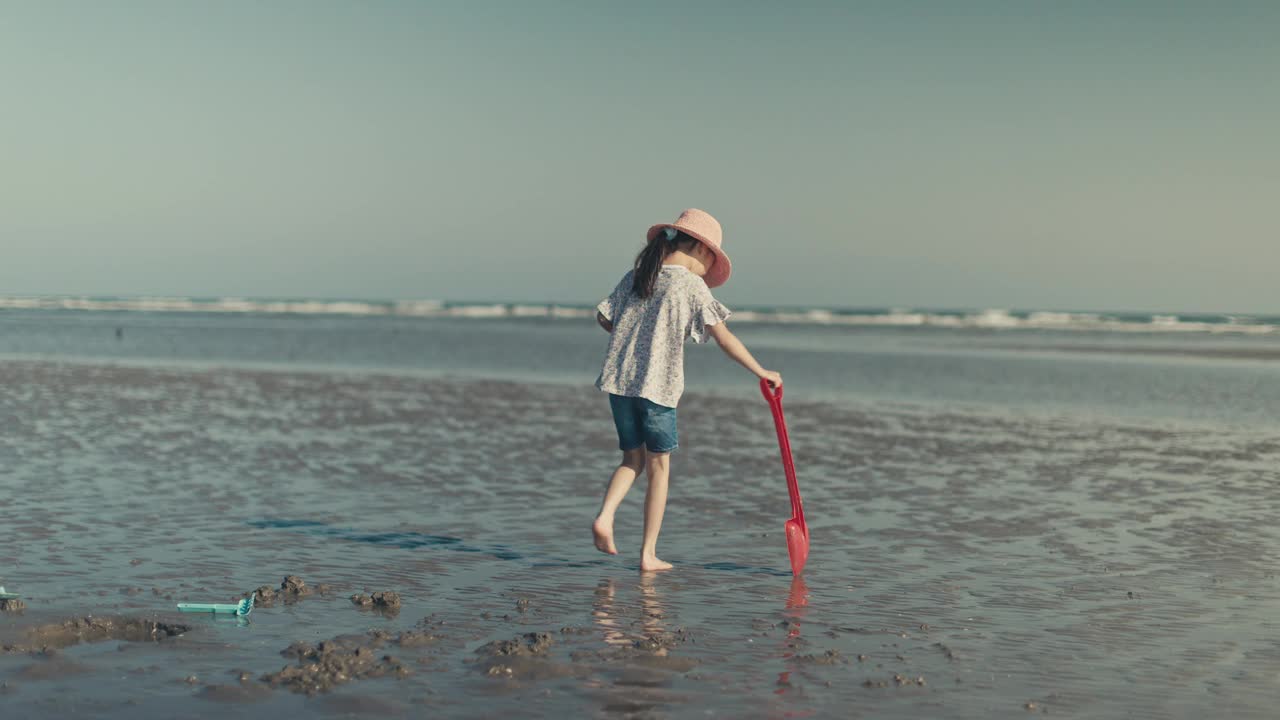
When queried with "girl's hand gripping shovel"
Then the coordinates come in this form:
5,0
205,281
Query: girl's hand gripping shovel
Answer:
796,528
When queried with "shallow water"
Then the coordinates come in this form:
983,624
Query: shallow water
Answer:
1205,378
1092,566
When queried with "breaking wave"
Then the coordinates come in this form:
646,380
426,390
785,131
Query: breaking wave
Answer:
987,319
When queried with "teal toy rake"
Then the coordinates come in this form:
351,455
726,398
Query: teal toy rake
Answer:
242,608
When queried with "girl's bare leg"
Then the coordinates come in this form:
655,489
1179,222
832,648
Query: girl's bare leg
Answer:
631,467
655,504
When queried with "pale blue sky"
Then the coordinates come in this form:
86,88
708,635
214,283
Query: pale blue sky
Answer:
1011,154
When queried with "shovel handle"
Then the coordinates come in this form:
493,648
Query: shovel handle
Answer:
774,396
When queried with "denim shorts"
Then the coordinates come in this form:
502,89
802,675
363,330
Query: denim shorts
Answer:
644,422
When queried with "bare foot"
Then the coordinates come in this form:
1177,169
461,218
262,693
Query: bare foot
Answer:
650,564
604,536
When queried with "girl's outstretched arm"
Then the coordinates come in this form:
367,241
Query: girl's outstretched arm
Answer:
604,322
734,348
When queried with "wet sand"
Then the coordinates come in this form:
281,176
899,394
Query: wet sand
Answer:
964,564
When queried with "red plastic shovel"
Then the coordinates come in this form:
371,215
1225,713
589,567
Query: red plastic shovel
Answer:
796,528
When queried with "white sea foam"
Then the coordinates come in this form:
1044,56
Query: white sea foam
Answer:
987,319
571,312
418,307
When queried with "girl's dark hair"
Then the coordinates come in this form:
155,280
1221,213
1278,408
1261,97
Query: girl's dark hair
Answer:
649,261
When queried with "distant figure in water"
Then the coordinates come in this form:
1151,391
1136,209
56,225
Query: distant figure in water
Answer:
665,298
119,333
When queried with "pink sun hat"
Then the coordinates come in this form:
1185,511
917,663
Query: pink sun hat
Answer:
701,226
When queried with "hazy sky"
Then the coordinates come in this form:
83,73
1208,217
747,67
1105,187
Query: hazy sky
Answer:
954,154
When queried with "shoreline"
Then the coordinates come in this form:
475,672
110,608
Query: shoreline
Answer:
747,392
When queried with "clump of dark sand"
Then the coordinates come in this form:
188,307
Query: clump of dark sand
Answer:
526,656
830,657
385,601
408,638
292,589
898,679
651,651
663,641
333,662
294,585
658,643
92,629
264,596
535,643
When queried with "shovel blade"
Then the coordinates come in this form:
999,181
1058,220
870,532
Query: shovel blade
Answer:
797,545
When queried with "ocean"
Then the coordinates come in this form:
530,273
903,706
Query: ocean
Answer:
1012,511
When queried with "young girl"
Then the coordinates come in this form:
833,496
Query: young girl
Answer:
664,299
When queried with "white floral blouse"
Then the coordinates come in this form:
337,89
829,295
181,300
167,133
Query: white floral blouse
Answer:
646,348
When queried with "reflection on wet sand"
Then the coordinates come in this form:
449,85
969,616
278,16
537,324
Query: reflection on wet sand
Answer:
797,602
606,616
636,672
652,610
610,616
